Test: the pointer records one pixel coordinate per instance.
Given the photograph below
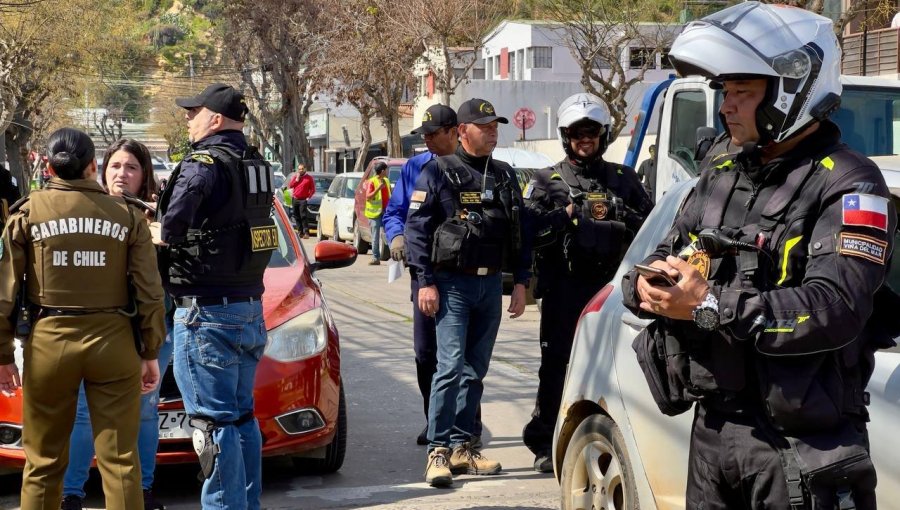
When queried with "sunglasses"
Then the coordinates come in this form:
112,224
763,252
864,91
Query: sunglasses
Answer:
584,132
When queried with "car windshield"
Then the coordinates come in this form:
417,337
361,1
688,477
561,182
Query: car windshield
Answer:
349,187
394,174
323,182
284,256
869,119
279,180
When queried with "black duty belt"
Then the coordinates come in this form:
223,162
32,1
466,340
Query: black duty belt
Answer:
60,312
188,301
479,271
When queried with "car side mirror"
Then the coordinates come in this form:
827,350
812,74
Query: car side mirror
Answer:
333,255
705,138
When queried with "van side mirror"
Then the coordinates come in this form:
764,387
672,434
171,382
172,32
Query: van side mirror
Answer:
705,137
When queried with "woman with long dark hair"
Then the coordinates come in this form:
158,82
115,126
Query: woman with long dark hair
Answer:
71,249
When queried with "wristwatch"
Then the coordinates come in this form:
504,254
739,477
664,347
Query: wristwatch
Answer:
706,315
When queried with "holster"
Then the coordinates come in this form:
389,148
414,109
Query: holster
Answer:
206,448
25,316
666,388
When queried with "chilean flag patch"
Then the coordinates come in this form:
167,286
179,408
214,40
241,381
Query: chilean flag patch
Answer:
863,210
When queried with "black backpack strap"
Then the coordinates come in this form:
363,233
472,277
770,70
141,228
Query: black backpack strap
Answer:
717,200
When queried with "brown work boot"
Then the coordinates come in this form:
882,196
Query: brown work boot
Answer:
437,472
466,459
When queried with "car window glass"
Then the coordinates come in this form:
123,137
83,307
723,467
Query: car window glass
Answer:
284,256
350,187
394,174
323,183
688,112
335,187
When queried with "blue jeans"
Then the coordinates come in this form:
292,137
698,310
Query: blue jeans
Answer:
468,319
375,230
217,349
81,442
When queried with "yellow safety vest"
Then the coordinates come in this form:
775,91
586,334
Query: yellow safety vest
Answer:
374,205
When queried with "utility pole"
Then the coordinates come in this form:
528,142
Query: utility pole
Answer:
191,58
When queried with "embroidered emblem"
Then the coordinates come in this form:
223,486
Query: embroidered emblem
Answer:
700,260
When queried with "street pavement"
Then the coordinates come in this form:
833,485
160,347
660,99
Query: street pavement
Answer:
384,468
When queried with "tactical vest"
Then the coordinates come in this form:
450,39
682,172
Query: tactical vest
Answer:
479,233
374,205
232,247
76,237
800,394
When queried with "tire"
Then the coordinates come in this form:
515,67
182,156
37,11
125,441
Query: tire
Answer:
334,452
596,471
319,235
385,249
361,246
336,234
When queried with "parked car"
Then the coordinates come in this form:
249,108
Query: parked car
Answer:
299,395
336,216
613,448
323,182
362,235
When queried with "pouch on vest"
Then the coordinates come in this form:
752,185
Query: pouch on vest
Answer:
455,244
667,391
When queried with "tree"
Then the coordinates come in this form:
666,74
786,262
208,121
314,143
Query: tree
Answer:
598,32
450,35
364,57
275,44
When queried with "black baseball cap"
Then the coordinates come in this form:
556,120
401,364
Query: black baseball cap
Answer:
479,111
219,98
437,116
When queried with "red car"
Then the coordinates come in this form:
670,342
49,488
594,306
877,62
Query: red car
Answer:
362,236
299,398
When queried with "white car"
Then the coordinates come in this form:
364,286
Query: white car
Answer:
336,210
613,448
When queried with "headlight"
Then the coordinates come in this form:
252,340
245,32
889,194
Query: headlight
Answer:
299,338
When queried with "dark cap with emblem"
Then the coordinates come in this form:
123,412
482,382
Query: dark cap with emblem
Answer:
219,98
478,111
437,116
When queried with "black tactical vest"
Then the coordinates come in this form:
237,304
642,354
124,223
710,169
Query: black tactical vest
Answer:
479,233
232,247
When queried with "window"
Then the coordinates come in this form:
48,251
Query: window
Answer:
601,62
284,256
512,65
478,74
520,60
349,188
540,57
335,187
497,65
640,57
688,112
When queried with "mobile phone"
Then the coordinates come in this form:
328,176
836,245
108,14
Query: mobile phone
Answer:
135,201
654,275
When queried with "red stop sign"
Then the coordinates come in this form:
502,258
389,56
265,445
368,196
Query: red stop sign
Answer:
524,118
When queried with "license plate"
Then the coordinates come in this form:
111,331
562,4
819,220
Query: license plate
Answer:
174,425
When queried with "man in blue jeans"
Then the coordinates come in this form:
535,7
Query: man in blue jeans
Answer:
213,267
81,443
465,225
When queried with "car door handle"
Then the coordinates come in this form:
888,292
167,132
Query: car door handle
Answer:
633,321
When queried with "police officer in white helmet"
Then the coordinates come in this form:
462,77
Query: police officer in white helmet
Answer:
586,211
779,257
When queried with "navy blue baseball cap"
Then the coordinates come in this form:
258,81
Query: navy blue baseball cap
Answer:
478,111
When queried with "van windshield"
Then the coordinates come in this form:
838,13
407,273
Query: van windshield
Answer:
869,119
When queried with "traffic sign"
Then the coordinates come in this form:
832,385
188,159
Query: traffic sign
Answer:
524,118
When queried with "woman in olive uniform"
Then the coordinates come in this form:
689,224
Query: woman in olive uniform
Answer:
71,248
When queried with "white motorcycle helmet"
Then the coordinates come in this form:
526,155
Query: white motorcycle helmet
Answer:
795,49
578,108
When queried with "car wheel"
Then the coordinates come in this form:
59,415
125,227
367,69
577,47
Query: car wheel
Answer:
385,249
334,452
596,471
320,236
336,234
361,246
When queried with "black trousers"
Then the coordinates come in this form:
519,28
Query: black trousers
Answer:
563,300
425,348
300,216
733,465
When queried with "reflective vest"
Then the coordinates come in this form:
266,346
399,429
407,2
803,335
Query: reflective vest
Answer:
375,204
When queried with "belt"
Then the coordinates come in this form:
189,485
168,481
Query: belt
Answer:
59,312
188,301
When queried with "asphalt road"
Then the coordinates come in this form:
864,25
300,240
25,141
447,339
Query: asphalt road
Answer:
384,468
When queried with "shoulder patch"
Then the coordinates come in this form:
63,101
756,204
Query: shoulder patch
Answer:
863,210
867,247
418,196
203,158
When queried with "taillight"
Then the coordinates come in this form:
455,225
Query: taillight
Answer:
597,301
